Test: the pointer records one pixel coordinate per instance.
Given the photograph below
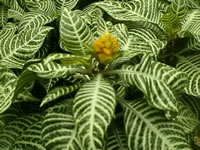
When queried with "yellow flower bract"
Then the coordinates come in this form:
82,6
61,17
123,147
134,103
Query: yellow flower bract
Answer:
106,47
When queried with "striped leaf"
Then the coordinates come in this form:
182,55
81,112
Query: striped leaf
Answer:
3,15
16,50
48,83
67,59
53,70
14,11
191,66
60,4
193,3
143,10
33,20
46,7
160,83
190,24
171,24
58,92
148,129
116,140
93,109
74,33
8,31
7,87
179,8
59,132
187,118
23,132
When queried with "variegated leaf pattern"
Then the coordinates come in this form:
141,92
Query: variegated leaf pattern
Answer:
14,11
48,83
160,83
60,4
179,8
143,10
148,129
8,82
171,24
3,15
58,92
16,50
18,133
47,7
33,20
191,66
190,24
93,109
8,31
53,70
116,140
193,3
187,118
74,33
59,132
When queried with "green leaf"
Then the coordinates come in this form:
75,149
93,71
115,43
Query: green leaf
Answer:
160,83
190,23
3,15
143,10
60,4
54,70
48,83
116,140
74,33
58,92
93,109
191,66
59,132
46,7
8,31
16,50
148,129
33,20
23,132
179,8
7,87
187,118
171,24
68,59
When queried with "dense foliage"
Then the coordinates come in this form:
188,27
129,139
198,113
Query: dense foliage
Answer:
99,75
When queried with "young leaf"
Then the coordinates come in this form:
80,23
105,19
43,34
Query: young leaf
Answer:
160,83
16,50
74,32
148,129
93,109
179,8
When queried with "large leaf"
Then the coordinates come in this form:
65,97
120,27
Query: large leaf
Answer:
16,50
74,32
143,10
179,8
7,86
33,20
148,129
191,66
59,132
23,132
3,15
8,31
93,109
160,83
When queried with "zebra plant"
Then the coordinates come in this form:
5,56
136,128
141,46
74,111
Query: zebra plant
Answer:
106,75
